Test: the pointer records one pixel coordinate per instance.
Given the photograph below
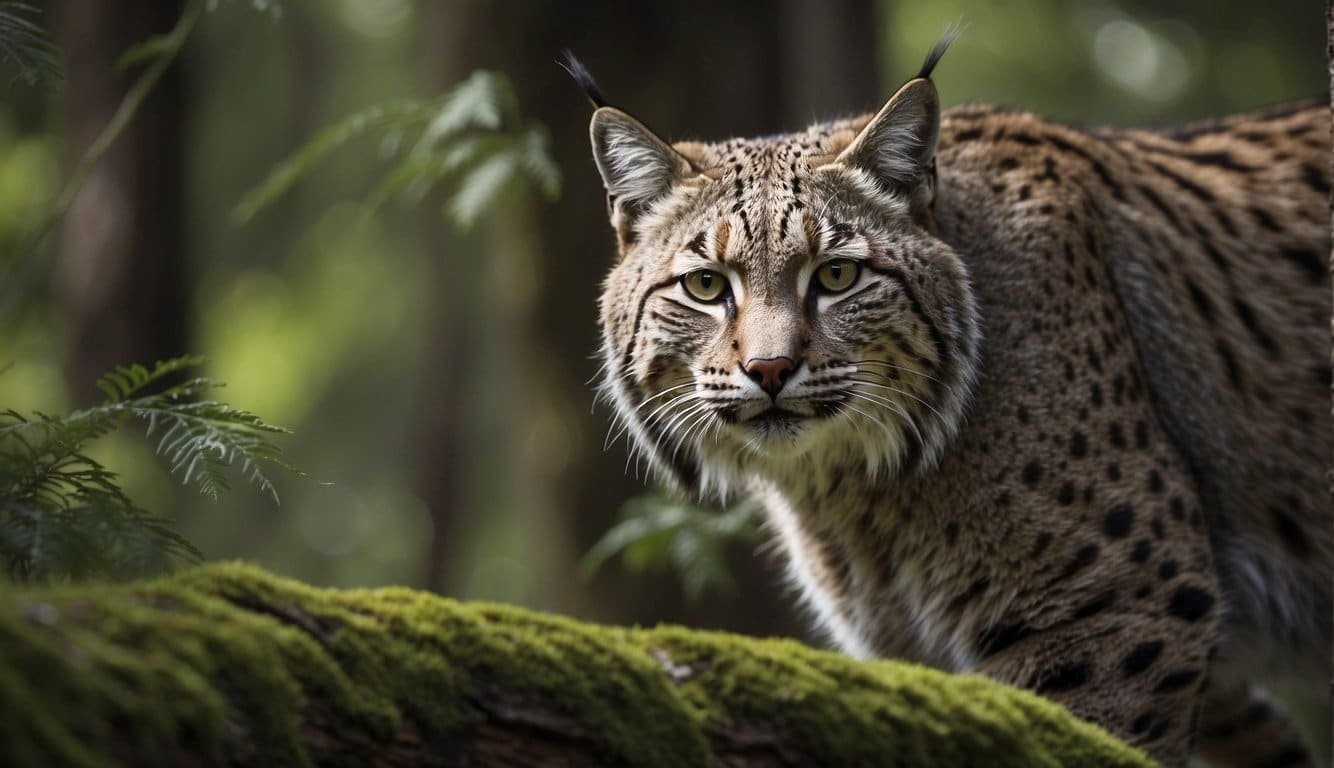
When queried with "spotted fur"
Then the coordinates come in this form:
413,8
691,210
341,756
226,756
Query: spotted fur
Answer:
1067,428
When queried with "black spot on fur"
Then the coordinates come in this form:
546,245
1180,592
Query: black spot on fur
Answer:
1202,303
1168,570
1204,195
1175,681
1190,603
1229,363
1143,722
1222,160
998,638
1141,552
1253,325
1119,521
974,592
1032,473
1095,606
1158,730
1167,212
1264,219
1066,677
1141,657
1309,261
1116,435
1082,559
1066,495
1316,179
1079,446
1292,535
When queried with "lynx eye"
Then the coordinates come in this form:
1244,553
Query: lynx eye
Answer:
704,284
837,275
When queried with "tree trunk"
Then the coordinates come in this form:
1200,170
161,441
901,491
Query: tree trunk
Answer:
228,665
121,262
442,430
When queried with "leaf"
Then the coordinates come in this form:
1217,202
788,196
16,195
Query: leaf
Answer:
655,532
124,382
471,137
480,187
27,44
308,157
484,101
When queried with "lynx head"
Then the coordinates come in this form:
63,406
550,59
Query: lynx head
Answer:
781,306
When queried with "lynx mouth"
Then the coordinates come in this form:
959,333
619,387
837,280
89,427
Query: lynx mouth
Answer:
774,416
775,423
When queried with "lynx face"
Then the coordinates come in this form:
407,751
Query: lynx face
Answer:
780,304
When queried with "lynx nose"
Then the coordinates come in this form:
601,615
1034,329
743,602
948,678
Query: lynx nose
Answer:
770,372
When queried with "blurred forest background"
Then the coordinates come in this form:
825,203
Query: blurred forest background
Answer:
436,375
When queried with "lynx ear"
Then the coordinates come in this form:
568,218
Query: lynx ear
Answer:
637,167
898,146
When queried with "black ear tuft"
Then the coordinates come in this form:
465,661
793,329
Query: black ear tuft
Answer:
583,78
938,50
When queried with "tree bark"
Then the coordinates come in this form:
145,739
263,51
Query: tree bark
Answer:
121,263
228,665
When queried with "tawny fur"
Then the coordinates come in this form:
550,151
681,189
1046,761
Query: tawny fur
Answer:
1069,429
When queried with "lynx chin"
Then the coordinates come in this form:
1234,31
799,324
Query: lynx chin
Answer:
1045,404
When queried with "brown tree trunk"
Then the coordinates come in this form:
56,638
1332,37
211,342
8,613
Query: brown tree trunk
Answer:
442,434
121,265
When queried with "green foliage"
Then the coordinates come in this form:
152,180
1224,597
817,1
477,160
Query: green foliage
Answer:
472,138
654,532
63,513
26,44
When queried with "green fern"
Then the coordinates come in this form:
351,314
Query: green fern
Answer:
64,514
654,532
472,142
26,44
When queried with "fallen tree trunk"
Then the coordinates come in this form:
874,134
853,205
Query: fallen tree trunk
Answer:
229,665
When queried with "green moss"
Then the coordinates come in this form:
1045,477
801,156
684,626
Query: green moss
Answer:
226,663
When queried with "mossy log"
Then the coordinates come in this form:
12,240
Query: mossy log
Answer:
229,665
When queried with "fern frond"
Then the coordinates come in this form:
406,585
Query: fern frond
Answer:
201,438
27,44
655,532
124,382
485,101
308,157
61,512
472,137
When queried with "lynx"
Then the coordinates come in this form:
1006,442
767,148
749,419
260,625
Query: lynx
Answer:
1045,404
